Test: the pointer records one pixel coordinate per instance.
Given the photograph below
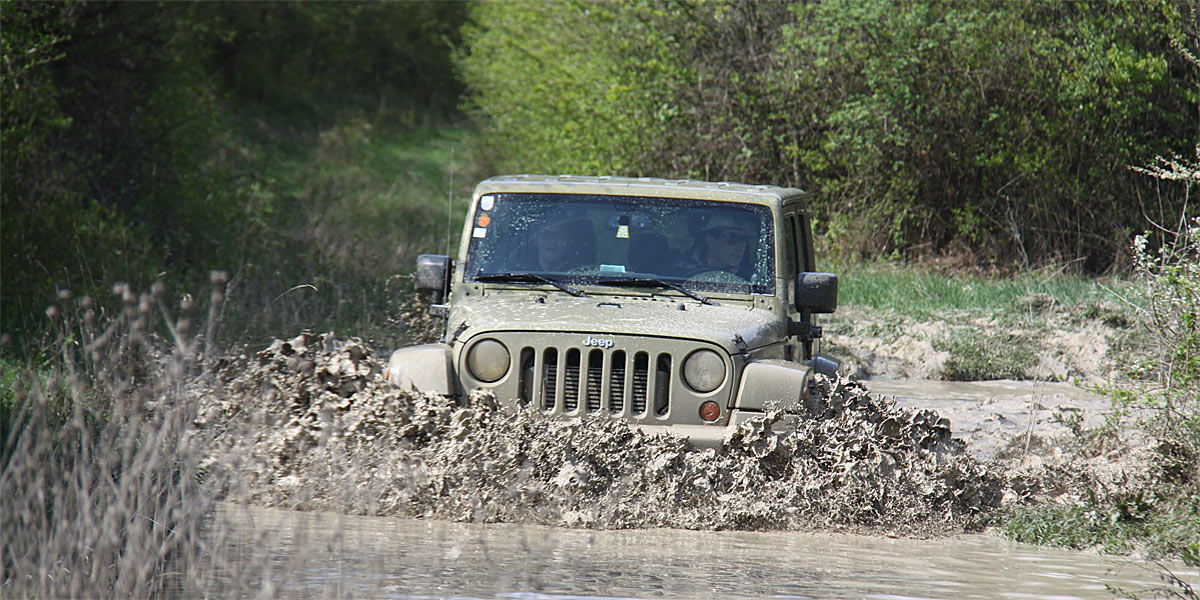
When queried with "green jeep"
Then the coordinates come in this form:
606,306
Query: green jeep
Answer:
676,306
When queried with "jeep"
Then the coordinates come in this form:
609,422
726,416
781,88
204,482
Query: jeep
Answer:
673,305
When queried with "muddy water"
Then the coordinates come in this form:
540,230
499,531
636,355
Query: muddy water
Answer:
320,555
997,417
577,508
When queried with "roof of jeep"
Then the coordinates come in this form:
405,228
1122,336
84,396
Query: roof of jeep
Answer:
640,186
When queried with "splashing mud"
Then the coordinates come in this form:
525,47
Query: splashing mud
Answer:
309,423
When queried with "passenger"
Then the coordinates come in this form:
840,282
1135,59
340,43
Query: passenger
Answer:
723,245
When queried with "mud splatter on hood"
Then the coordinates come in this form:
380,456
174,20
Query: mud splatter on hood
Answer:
309,423
665,316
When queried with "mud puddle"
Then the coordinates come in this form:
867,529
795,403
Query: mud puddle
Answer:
996,418
323,555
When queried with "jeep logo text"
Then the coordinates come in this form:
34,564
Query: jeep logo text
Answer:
597,342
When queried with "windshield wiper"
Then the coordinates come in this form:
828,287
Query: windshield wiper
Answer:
657,283
530,278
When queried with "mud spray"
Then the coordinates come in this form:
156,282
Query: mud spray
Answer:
309,423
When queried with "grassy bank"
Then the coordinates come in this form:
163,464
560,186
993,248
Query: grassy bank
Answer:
928,292
913,321
352,205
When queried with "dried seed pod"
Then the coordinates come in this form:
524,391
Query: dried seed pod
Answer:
158,289
87,303
64,295
187,304
53,312
218,277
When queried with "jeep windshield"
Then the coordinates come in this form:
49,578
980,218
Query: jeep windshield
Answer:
699,245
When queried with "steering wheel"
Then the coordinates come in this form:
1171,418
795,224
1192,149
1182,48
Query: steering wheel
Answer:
581,270
709,274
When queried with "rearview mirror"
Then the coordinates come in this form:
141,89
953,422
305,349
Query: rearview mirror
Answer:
816,293
433,276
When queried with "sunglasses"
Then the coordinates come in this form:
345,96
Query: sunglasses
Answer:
730,237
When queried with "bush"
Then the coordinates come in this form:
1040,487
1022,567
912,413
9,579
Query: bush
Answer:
995,131
115,166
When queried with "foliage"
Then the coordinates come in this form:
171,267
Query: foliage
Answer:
997,131
1172,315
146,141
317,63
1116,524
359,208
113,163
922,292
1172,311
1161,515
579,102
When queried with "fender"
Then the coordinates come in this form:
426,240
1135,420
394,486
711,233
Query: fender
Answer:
773,384
426,368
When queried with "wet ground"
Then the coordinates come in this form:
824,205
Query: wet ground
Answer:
1002,417
322,555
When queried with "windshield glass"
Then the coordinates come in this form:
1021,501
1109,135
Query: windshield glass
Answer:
582,239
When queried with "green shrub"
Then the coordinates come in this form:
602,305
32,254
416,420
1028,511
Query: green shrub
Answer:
993,131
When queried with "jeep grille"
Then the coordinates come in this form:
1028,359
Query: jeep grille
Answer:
598,378
562,376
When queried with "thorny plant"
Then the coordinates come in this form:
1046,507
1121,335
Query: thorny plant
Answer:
1172,315
1173,307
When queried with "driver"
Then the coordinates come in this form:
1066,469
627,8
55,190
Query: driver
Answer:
723,245
562,245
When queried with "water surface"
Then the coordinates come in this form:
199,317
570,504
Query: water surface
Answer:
321,555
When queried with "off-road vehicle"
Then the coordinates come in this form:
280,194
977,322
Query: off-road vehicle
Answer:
680,306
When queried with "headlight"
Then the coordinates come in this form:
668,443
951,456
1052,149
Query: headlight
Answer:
704,370
488,360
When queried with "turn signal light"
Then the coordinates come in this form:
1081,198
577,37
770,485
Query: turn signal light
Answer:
710,411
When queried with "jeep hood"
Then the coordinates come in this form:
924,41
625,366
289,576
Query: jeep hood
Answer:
659,316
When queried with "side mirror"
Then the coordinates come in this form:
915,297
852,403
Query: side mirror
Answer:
433,276
816,293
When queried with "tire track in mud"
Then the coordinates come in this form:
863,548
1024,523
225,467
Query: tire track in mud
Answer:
309,423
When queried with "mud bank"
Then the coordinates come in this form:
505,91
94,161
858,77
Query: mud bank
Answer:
309,423
1043,341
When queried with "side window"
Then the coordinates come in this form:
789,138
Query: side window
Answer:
793,241
804,244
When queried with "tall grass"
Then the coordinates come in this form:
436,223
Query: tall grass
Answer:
102,493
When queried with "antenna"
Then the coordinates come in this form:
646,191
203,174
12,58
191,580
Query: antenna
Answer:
450,203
